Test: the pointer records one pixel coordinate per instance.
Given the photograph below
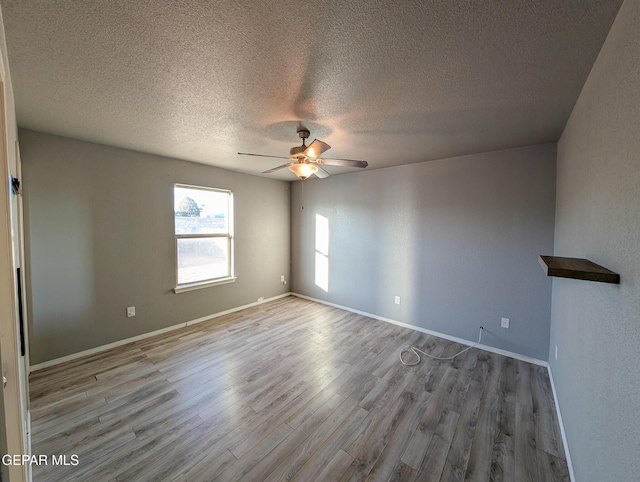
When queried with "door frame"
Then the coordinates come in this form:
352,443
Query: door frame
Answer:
15,393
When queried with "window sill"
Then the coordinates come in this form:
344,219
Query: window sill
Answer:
203,284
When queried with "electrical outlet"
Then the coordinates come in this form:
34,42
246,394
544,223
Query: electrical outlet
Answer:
504,323
131,311
261,299
282,280
556,352
397,300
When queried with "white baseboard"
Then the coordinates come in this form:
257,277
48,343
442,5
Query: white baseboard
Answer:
561,423
462,341
98,349
102,348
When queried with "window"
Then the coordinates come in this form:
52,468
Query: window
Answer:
204,236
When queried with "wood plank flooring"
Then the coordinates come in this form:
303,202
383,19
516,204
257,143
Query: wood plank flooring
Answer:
295,390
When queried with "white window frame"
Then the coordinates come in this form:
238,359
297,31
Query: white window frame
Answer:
206,283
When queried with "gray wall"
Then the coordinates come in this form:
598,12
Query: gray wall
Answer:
100,238
596,326
457,239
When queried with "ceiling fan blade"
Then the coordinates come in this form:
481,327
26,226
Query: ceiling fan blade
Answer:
262,155
279,167
316,148
342,162
321,173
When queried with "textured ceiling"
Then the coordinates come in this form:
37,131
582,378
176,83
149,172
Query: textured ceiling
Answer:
390,82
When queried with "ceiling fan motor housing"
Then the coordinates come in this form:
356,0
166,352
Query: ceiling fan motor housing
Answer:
298,151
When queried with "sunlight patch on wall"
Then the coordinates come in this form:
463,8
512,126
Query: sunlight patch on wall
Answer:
322,252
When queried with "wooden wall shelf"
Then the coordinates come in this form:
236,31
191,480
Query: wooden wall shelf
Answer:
577,268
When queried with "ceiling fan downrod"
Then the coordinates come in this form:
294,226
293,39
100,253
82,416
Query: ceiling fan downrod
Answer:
298,151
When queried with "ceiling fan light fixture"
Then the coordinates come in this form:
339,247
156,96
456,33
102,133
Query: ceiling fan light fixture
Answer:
303,170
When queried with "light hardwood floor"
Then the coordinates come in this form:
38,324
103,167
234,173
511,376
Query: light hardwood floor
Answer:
295,390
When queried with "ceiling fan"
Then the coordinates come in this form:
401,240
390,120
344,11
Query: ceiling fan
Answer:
306,161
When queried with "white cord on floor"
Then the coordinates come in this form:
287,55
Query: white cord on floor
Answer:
415,351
